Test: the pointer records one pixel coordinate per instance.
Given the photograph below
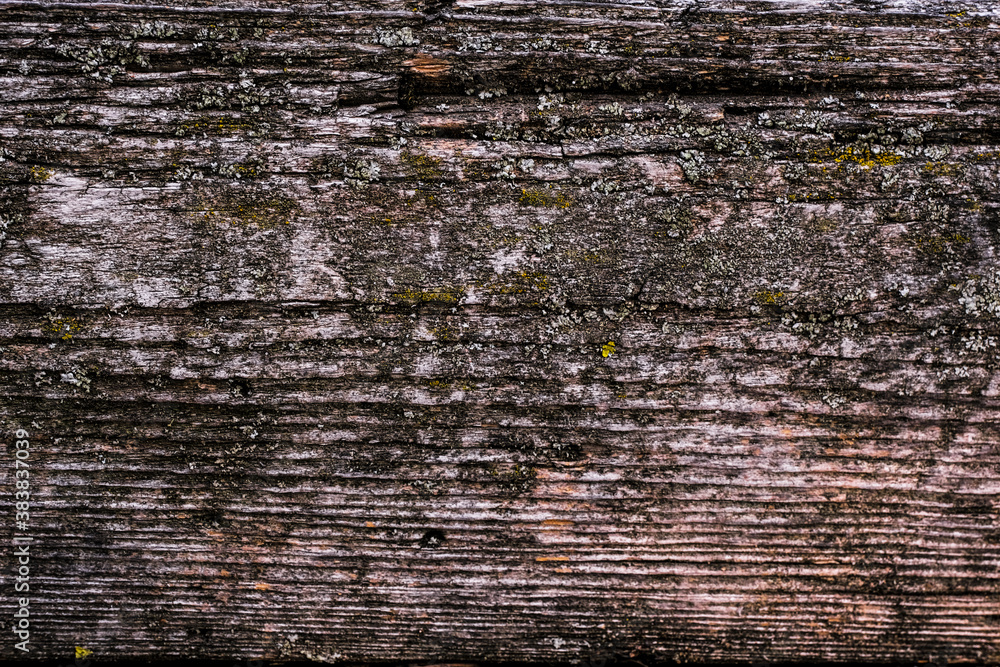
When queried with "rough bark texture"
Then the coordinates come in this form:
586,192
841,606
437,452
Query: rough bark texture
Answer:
529,330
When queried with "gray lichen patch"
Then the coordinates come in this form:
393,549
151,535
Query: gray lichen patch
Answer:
980,295
396,37
105,60
359,173
694,165
246,95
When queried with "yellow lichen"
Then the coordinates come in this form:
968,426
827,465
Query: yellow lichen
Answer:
40,174
450,294
941,169
865,158
425,167
444,332
767,296
592,256
937,243
811,196
64,327
521,282
536,197
608,349
261,211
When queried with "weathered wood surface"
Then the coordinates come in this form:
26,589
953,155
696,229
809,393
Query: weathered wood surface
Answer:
305,310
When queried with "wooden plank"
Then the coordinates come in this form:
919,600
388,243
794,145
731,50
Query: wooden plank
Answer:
503,331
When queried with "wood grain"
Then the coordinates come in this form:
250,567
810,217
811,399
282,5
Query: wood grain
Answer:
504,331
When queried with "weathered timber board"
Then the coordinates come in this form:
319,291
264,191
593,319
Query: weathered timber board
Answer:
534,331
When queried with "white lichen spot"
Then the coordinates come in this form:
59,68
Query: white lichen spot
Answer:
399,37
834,400
492,92
980,295
604,187
693,165
361,173
977,342
547,101
78,378
478,43
614,109
6,220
